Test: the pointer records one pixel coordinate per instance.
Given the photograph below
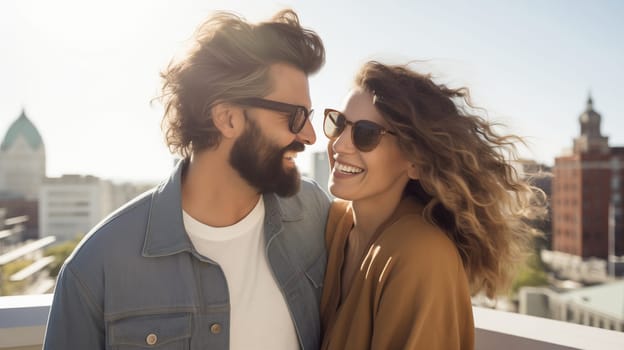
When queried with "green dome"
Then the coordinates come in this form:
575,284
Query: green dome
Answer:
22,126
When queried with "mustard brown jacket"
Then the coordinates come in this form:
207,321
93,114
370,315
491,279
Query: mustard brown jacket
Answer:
411,291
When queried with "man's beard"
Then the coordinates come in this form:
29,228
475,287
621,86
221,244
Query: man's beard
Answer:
261,163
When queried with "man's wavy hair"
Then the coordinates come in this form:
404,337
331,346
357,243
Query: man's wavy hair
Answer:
229,59
467,184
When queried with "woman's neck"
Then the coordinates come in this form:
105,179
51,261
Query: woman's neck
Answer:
370,214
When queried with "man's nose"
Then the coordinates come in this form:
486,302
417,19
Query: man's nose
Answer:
307,136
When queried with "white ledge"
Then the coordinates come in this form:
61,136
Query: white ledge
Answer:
23,319
539,333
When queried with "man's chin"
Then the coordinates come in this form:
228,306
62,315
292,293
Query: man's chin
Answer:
288,185
288,191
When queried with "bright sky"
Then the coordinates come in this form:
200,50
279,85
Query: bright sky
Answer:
86,71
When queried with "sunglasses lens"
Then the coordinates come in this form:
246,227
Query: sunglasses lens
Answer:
297,120
366,135
334,124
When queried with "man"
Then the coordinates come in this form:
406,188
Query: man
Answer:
228,253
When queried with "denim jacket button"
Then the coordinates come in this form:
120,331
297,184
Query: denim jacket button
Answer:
215,328
151,339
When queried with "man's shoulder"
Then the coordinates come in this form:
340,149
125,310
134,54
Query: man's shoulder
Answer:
310,186
124,227
309,197
128,214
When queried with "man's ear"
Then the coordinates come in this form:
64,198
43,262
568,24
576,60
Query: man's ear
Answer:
228,119
412,171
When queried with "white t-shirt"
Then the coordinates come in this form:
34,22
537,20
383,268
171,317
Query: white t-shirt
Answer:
259,316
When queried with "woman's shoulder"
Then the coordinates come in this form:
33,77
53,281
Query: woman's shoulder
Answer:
338,212
419,242
339,206
338,220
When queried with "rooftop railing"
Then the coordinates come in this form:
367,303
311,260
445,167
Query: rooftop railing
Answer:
23,319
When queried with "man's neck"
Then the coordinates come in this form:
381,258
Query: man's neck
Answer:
214,193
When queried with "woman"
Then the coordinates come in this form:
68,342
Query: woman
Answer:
431,213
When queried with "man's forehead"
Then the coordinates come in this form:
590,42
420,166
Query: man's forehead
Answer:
289,84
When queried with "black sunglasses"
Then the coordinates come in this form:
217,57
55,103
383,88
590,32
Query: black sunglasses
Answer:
297,115
364,133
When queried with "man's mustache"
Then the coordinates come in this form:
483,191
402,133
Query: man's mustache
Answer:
294,146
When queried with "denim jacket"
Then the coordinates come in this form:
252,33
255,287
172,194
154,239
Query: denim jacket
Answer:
137,282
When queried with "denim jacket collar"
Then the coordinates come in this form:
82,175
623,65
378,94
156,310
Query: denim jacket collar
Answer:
165,233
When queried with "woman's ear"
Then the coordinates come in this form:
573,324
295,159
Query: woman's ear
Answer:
412,171
227,118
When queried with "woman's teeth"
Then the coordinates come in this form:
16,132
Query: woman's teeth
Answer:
348,169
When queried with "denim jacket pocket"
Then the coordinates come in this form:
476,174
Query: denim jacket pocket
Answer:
316,272
160,331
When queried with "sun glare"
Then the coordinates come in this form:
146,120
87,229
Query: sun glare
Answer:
72,22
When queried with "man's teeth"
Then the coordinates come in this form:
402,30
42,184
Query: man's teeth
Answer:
348,169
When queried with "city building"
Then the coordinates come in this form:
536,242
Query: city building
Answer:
71,205
22,170
587,191
540,176
126,191
22,160
599,306
319,169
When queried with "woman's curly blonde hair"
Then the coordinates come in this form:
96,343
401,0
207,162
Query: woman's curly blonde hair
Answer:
468,185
